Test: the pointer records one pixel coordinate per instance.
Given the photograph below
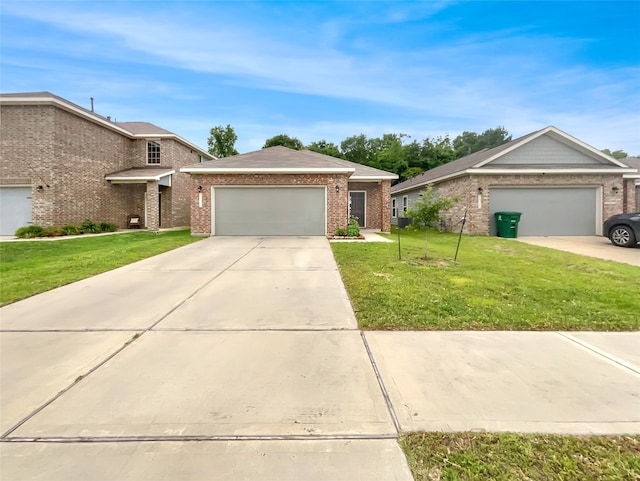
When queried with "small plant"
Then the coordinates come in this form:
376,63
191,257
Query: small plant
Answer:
52,231
353,228
89,227
70,230
29,232
426,211
341,232
108,227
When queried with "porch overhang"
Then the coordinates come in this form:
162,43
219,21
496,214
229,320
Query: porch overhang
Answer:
141,175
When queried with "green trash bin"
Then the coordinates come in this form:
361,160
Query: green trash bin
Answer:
507,224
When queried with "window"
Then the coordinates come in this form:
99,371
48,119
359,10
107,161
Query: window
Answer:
405,204
153,151
394,209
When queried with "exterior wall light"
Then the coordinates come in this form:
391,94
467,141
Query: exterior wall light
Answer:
337,188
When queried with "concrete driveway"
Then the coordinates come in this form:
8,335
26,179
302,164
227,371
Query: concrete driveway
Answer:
590,246
240,358
230,358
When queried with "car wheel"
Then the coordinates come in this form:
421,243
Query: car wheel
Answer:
622,236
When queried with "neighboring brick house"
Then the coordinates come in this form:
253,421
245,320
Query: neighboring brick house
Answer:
61,164
632,185
280,191
561,185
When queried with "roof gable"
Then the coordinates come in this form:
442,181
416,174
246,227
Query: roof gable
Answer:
544,150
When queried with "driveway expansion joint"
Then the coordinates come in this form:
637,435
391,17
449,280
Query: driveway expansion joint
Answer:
385,394
195,438
599,352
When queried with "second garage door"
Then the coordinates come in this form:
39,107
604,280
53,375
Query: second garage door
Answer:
15,208
269,211
549,211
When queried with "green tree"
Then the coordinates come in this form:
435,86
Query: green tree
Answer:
222,141
356,149
436,151
426,211
470,142
616,154
326,148
284,140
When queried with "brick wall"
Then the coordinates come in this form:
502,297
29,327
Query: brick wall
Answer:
466,188
337,202
630,195
377,203
49,146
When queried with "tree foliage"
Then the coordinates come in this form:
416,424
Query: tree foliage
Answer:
616,154
470,142
222,141
426,210
326,148
284,140
398,153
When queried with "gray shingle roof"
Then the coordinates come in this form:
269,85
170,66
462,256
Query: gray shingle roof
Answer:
143,128
282,159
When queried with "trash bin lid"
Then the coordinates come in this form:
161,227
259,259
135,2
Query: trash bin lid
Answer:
508,213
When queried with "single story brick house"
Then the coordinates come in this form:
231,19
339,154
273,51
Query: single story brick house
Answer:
61,164
281,191
561,185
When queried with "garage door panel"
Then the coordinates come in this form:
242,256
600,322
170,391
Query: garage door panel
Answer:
269,211
15,208
548,211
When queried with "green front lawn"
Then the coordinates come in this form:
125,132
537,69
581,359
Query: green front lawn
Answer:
520,457
496,284
28,268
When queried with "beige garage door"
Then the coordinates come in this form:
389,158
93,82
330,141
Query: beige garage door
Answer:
269,211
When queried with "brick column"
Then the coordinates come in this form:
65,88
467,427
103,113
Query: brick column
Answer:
385,208
153,206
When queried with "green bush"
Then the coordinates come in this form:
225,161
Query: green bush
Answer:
70,230
353,229
29,231
108,227
341,232
89,227
53,231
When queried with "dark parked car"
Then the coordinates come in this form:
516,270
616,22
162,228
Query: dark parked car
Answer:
623,229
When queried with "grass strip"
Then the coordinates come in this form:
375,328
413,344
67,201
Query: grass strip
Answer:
514,457
29,268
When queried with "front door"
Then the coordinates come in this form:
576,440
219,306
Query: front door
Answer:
356,206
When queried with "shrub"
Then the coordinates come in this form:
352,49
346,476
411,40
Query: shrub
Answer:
341,232
52,231
89,227
353,229
107,227
70,230
29,231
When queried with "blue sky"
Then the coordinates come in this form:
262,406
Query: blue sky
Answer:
330,70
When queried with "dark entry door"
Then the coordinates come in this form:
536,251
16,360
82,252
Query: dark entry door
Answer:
356,206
